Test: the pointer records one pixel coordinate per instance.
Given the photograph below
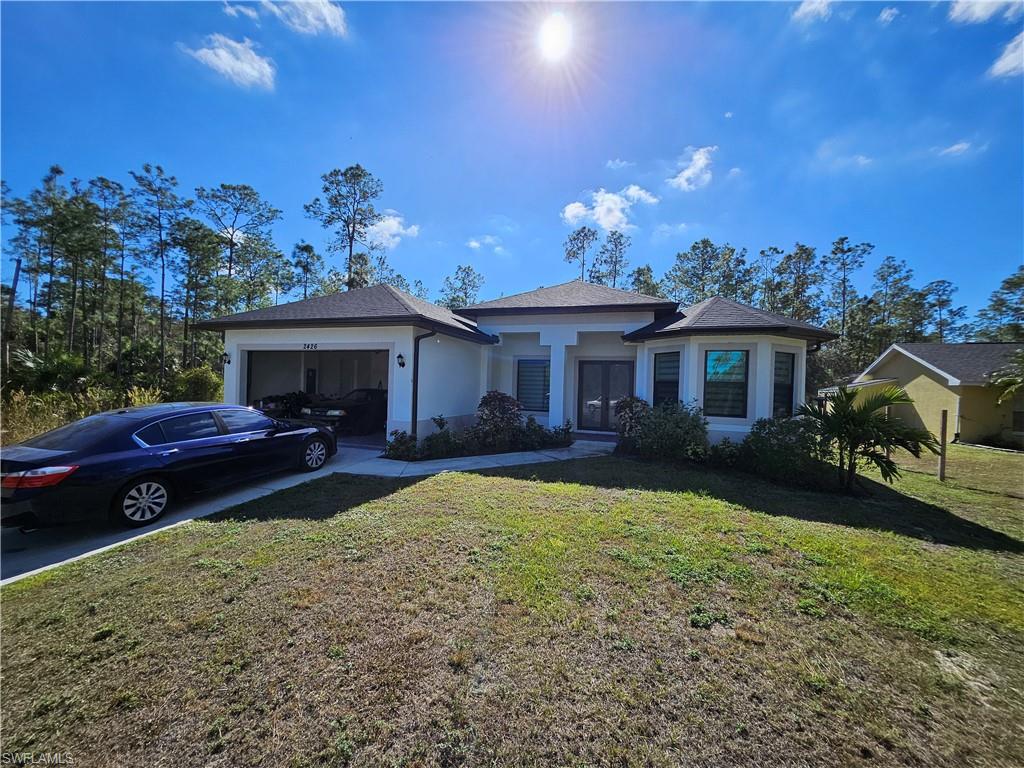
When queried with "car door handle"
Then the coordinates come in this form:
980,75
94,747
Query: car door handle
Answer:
243,440
168,453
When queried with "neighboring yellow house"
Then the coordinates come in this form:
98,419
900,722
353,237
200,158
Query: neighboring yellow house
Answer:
955,378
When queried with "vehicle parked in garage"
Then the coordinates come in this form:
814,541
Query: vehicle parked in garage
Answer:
360,412
132,464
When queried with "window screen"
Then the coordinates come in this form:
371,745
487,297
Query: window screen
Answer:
725,383
533,383
666,377
191,427
782,392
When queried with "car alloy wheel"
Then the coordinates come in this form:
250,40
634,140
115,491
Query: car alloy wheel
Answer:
145,501
316,454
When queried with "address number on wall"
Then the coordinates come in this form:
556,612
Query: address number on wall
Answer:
314,345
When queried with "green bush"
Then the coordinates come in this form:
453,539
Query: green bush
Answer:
200,384
789,451
630,413
725,454
672,431
401,446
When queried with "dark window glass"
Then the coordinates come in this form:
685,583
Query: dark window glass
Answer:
151,435
82,434
1018,421
533,384
666,377
725,383
782,392
244,421
191,427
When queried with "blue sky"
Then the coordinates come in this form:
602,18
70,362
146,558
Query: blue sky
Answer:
753,123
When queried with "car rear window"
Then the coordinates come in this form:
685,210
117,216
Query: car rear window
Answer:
151,435
192,427
80,435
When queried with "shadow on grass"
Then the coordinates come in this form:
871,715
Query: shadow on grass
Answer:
884,509
317,500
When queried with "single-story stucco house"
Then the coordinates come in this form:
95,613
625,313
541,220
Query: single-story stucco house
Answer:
951,377
566,352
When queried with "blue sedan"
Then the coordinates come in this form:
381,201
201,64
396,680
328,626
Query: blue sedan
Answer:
132,464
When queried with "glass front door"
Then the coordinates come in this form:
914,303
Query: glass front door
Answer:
602,383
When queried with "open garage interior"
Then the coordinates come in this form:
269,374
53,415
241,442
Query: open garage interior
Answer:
356,381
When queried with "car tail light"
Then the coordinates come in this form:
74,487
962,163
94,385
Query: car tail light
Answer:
37,478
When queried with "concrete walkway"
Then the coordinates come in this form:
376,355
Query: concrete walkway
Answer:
24,554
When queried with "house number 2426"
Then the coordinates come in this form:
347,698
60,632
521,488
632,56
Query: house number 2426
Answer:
310,346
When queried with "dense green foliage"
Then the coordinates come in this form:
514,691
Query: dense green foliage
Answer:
499,428
668,431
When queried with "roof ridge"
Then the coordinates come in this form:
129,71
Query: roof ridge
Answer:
398,296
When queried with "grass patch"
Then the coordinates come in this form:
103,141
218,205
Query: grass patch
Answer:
602,611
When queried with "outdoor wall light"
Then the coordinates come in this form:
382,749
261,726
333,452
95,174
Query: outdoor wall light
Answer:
225,358
401,360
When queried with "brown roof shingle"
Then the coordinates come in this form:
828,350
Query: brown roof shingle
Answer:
574,296
376,305
719,315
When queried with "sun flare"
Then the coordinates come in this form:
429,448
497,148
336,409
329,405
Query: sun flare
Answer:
555,37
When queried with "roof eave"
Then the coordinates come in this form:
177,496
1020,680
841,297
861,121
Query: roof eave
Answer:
798,333
377,322
565,310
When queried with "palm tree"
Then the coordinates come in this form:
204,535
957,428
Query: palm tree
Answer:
862,432
1011,378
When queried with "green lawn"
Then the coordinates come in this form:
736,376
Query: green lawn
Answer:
596,612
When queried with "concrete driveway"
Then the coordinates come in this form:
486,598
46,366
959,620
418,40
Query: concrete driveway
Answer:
25,553
22,554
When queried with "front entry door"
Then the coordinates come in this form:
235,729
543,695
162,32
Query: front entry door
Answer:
602,383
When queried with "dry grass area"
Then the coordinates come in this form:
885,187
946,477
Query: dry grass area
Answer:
596,612
976,467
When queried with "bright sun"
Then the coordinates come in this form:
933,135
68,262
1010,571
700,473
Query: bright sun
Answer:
555,37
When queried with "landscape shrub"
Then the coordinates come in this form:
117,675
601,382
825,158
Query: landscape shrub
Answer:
789,451
630,413
724,454
673,431
199,384
499,428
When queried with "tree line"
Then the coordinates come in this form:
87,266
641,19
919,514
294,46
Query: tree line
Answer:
112,277
816,287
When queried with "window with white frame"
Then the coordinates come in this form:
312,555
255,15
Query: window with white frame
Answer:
782,389
726,378
533,384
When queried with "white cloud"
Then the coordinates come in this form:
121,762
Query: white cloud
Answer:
1011,61
832,155
956,149
666,231
728,115
812,10
486,241
238,62
609,210
887,16
389,231
697,171
242,9
734,172
618,165
637,194
310,17
980,11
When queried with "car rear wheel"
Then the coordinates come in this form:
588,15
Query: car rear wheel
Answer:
314,454
142,501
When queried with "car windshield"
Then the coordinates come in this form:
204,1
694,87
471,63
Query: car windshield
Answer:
78,435
358,396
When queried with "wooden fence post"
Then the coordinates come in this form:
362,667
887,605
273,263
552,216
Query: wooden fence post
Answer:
942,444
888,450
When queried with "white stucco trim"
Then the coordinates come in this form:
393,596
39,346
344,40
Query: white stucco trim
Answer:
953,381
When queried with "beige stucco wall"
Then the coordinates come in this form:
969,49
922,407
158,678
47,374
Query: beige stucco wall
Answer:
981,416
930,392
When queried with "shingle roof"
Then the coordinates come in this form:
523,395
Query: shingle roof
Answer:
970,362
574,296
375,305
719,315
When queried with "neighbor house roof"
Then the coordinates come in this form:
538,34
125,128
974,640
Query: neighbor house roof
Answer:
376,305
970,363
718,315
574,296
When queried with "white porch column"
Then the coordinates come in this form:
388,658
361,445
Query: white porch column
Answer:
642,377
763,381
556,396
